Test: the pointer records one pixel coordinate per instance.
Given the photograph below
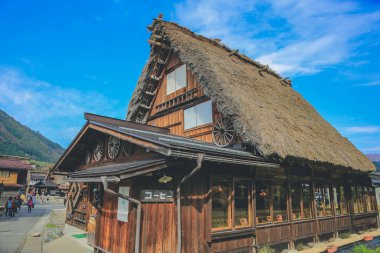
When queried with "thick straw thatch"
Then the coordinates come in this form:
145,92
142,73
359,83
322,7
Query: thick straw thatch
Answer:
267,112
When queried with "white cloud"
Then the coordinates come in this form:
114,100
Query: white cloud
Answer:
362,129
46,107
372,149
293,37
373,83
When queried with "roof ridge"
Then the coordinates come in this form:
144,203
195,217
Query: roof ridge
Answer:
217,43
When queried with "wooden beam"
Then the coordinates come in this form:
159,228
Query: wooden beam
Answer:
145,106
316,224
150,93
290,211
332,196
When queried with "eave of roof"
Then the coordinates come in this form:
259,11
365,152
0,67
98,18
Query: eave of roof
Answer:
169,145
119,168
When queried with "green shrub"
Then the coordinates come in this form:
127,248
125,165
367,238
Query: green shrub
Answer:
266,249
361,248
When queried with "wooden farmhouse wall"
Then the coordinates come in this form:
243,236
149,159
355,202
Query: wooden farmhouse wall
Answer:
159,220
168,110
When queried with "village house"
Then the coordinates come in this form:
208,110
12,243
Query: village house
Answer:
14,176
218,153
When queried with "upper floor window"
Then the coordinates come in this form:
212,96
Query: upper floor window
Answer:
198,115
176,80
4,173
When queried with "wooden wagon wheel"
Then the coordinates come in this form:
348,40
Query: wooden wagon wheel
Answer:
98,151
223,132
127,148
113,147
87,157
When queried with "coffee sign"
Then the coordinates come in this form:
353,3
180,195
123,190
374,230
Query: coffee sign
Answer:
156,196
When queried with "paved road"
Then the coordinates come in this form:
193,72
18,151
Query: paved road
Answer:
13,231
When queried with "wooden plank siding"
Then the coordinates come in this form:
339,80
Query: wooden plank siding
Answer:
173,117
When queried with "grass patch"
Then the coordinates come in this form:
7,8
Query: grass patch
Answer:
51,225
79,236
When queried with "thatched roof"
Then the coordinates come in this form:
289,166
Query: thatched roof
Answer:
267,112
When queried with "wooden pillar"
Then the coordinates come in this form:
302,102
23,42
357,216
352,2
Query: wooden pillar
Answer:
376,207
332,196
351,208
254,239
316,225
290,211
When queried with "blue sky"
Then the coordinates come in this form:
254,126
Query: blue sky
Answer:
59,59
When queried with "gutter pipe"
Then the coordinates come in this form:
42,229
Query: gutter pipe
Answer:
184,179
135,201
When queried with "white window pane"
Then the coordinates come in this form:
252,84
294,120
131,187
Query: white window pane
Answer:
170,83
180,77
204,113
190,118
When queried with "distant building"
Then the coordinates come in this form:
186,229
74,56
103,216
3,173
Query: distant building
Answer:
36,178
13,175
46,186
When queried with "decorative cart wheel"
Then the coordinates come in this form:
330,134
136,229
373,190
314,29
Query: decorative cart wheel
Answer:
127,148
98,151
87,157
223,132
113,146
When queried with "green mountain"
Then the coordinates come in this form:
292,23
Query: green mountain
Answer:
19,140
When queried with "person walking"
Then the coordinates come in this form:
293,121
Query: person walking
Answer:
42,198
30,204
8,207
14,206
34,199
20,200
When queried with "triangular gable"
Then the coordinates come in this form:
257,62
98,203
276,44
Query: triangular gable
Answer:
267,113
94,123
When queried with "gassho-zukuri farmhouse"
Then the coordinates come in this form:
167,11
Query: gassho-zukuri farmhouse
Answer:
218,153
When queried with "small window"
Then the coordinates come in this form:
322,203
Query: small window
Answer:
4,174
221,191
263,214
301,201
176,80
230,203
323,201
372,199
279,203
241,202
198,115
340,200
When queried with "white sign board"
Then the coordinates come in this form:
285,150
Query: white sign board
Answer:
123,204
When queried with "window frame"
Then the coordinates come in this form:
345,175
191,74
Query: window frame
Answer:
196,116
300,186
174,71
5,174
336,200
323,186
231,203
